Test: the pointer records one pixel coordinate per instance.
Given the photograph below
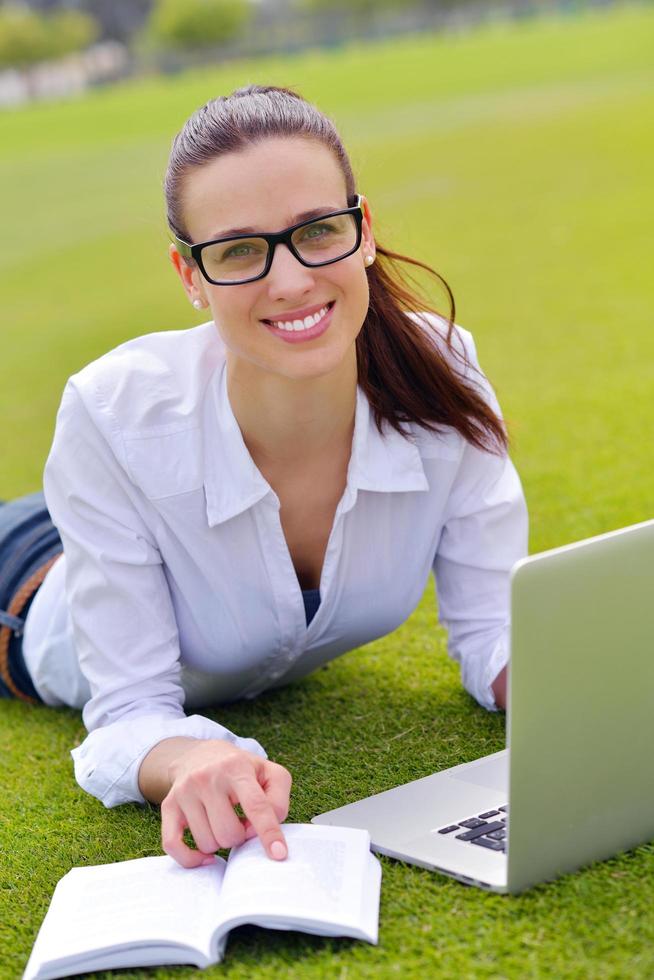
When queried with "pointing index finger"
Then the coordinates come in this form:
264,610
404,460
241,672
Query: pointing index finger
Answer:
261,815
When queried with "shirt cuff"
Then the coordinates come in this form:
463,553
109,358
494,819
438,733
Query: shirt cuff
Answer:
478,671
107,762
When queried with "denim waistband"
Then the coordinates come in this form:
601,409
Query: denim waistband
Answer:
29,545
14,629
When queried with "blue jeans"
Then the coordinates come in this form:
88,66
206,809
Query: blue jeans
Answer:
28,538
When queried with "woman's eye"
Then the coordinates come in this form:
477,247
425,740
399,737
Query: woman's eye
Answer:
238,251
317,231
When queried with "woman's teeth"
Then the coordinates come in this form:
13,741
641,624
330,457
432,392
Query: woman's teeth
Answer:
309,321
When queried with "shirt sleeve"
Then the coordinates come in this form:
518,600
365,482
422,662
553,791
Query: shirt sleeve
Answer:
121,611
485,531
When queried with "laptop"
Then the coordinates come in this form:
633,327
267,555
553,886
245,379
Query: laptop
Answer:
576,781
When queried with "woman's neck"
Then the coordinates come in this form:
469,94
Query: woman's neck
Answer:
285,420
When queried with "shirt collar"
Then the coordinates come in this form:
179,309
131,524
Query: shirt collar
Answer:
385,463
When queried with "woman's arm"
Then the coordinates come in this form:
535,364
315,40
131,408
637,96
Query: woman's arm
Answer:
126,634
484,534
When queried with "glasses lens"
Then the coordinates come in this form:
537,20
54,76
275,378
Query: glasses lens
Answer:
235,260
326,239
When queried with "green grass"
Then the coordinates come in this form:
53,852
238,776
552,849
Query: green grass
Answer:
518,160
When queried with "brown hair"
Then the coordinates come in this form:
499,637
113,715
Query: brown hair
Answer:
405,373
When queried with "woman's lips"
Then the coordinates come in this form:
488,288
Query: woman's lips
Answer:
306,333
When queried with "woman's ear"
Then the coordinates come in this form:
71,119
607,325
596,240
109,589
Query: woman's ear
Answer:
190,278
367,238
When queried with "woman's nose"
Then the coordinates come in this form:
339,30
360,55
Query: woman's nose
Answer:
287,276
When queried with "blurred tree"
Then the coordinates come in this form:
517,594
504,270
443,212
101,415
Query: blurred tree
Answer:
70,30
118,19
188,24
27,36
23,38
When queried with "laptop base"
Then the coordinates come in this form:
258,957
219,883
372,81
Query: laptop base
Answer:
403,822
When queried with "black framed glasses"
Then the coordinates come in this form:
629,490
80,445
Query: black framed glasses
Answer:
246,258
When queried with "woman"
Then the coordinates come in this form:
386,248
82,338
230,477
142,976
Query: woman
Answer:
243,501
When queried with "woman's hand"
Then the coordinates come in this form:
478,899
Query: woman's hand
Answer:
498,688
207,779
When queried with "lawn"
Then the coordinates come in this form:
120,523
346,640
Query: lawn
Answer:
517,159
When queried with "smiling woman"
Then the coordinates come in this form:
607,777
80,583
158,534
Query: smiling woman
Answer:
241,502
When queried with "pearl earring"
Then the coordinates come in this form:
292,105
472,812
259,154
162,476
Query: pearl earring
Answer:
197,303
370,259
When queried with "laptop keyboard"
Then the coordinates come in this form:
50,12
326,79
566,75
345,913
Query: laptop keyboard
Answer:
488,829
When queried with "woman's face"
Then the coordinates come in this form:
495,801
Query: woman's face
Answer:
268,187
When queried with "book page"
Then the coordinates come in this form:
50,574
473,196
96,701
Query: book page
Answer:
323,879
148,900
370,899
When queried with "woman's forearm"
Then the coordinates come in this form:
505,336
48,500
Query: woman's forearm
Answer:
154,774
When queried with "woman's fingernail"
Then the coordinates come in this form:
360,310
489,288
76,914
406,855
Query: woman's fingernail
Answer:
208,861
278,850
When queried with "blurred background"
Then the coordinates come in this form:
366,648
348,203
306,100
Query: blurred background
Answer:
50,48
507,144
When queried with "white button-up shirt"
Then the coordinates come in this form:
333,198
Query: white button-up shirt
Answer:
177,588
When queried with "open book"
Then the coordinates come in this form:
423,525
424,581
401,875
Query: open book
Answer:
151,911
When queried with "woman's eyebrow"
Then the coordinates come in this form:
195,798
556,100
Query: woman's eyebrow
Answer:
302,216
